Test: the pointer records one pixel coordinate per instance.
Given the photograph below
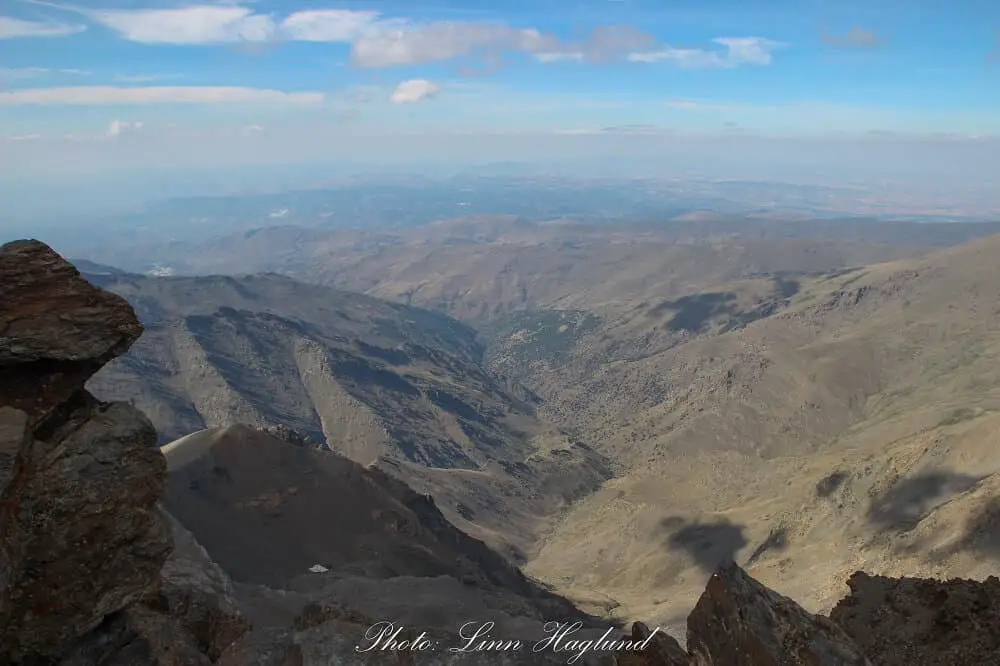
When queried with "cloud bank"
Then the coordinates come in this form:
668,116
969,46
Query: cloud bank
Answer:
379,41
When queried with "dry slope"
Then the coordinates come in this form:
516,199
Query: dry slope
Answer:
379,382
268,510
853,427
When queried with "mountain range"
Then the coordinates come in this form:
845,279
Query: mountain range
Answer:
528,421
622,408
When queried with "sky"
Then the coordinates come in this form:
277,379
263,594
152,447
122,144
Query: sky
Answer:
99,86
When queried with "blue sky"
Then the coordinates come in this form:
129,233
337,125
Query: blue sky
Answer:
97,84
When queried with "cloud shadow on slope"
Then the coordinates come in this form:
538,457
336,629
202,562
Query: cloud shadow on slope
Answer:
907,502
709,544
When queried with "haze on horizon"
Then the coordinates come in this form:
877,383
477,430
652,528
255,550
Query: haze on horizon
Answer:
107,102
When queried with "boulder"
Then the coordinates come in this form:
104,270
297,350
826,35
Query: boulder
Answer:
56,329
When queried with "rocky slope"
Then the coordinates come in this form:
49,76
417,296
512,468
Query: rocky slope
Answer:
270,510
87,570
381,383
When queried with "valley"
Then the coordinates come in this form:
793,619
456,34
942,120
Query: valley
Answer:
621,410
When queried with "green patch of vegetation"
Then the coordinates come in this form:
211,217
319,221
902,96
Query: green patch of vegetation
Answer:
533,335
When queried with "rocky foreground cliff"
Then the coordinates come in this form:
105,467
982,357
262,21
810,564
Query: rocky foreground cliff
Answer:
93,571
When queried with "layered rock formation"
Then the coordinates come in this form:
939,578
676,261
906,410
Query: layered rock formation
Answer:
83,542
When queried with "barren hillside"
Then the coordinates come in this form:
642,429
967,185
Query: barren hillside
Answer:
772,402
382,383
853,427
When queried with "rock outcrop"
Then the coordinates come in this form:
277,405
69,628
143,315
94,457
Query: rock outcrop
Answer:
739,622
661,650
56,329
83,541
286,434
909,621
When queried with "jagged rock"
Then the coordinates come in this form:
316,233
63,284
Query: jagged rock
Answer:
56,329
663,650
81,538
909,621
739,622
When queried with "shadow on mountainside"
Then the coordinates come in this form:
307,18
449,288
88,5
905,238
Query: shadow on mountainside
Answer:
906,503
708,544
982,533
692,313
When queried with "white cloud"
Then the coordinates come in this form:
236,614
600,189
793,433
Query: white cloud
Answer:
11,28
408,44
687,58
739,51
378,41
414,90
96,95
199,24
749,50
119,127
228,23
442,40
328,25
